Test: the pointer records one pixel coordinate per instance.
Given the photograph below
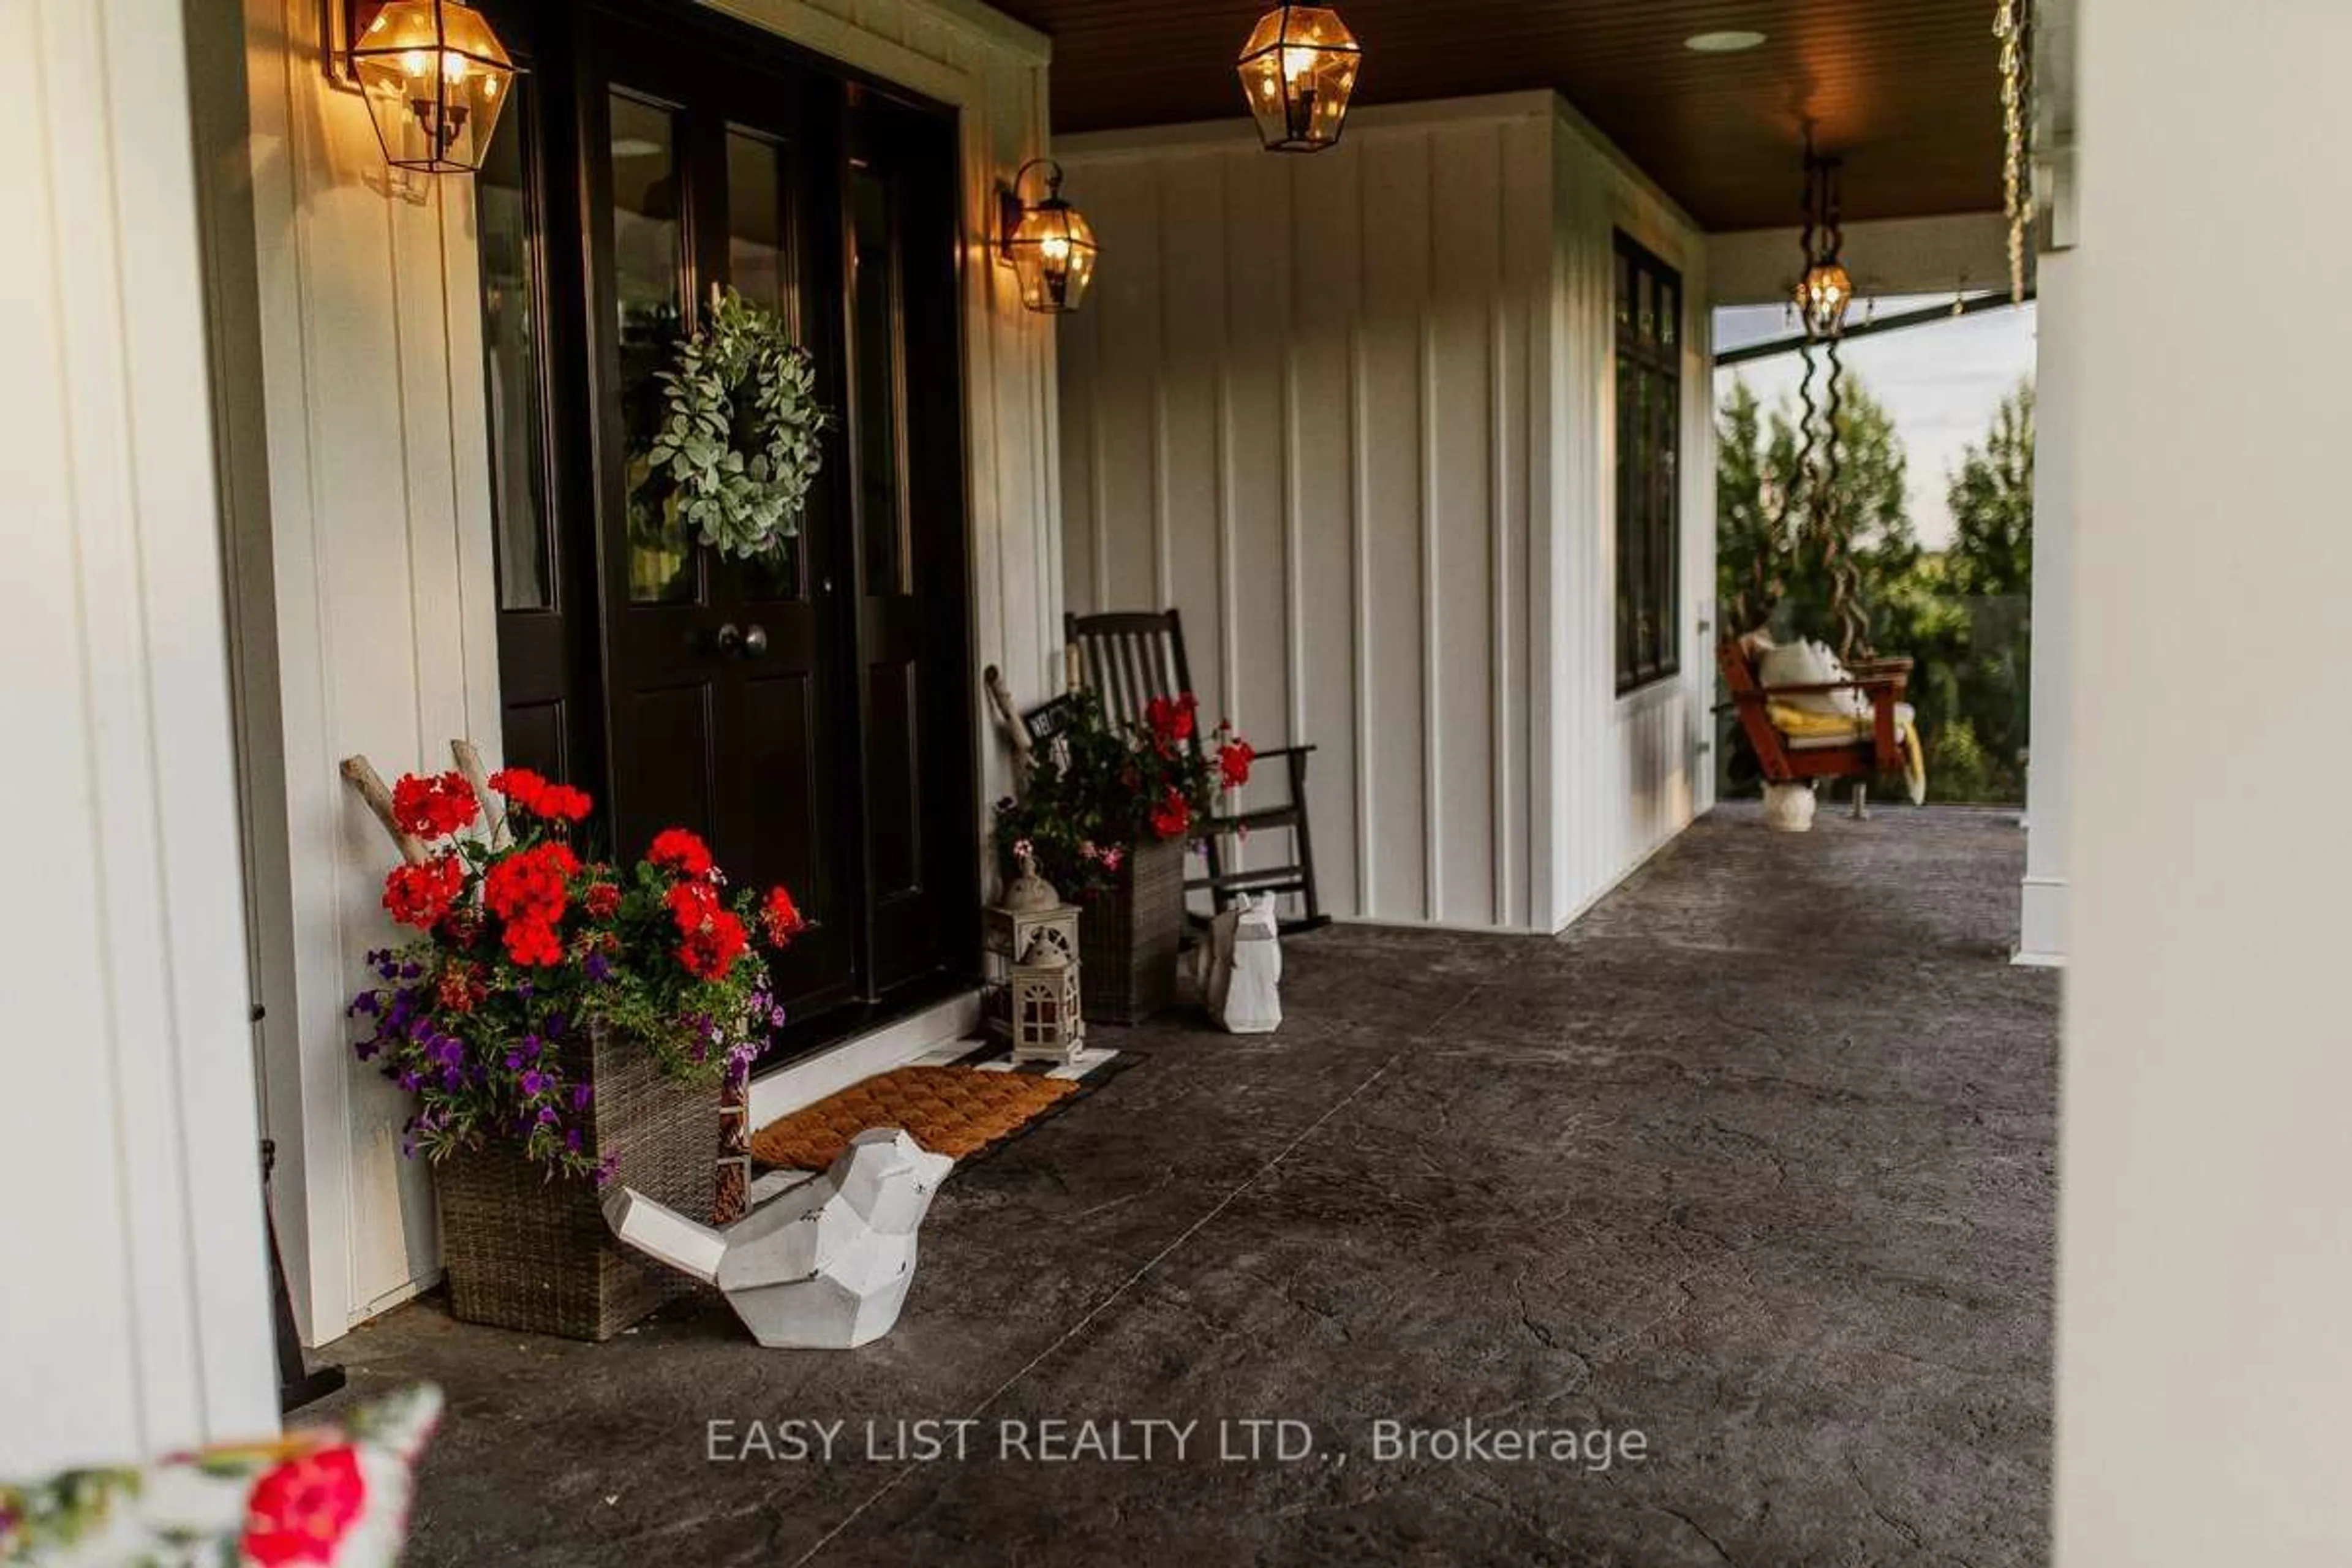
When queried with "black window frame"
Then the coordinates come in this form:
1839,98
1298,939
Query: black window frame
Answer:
1649,314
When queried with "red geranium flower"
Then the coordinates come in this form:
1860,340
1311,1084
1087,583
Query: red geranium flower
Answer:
679,850
602,900
1233,759
710,938
561,803
300,1512
533,795
691,905
780,918
533,942
433,807
521,786
710,952
528,890
1172,719
420,895
1172,815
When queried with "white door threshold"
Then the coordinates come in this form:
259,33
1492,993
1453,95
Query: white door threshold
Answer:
804,1082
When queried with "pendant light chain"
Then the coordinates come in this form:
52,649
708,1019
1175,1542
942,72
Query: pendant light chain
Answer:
2013,26
1819,528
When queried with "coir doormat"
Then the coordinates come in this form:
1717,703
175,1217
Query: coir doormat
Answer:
951,1110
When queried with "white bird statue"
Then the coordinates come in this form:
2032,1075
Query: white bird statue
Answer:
822,1266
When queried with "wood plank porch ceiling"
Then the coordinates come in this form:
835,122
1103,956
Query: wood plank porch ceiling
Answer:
1906,90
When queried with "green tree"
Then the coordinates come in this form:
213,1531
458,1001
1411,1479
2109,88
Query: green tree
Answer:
1750,545
1992,504
1960,613
1771,567
1989,571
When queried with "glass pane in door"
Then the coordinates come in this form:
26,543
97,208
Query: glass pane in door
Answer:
874,284
759,263
647,267
758,225
518,509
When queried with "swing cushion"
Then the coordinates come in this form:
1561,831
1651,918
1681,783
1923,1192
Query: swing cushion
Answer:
1808,731
333,1497
1811,663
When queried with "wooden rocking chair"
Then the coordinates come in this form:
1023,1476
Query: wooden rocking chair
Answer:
1128,658
1784,758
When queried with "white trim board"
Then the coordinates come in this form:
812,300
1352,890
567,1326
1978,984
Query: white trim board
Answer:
786,1089
2041,923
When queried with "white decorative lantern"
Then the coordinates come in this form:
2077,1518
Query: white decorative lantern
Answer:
1030,913
1045,1005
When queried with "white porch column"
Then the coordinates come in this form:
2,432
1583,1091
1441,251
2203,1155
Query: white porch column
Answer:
134,1311
2205,1249
2041,924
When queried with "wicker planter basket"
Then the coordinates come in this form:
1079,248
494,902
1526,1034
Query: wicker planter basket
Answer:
1129,934
527,1251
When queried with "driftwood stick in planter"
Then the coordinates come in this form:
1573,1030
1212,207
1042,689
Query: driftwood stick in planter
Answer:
1008,718
469,763
362,777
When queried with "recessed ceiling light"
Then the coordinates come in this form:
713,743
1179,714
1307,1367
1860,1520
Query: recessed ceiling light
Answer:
1725,43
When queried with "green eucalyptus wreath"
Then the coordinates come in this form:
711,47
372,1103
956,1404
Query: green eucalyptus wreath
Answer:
740,430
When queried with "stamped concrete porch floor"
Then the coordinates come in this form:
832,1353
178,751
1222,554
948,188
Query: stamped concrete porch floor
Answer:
1756,1162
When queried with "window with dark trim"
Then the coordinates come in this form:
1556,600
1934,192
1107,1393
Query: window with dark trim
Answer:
1649,470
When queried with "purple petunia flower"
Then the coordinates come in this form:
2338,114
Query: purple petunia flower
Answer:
534,1083
597,967
580,1095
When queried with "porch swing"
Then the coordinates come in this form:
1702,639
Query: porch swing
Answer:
1793,740
1806,715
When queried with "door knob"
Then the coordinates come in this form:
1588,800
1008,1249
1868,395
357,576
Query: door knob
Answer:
726,638
755,641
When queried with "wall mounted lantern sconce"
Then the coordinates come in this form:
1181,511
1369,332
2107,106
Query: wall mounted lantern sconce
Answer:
1298,71
1048,245
1826,289
433,72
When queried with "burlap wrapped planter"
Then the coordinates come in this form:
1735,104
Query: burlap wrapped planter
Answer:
1129,934
525,1250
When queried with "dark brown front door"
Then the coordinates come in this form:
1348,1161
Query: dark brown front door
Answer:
899,241
808,714
722,716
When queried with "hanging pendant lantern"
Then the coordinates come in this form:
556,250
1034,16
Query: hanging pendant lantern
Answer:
1298,71
1050,247
436,79
1826,289
1823,299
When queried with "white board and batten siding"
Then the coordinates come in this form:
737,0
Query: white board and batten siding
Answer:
365,592
134,1308
1350,413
